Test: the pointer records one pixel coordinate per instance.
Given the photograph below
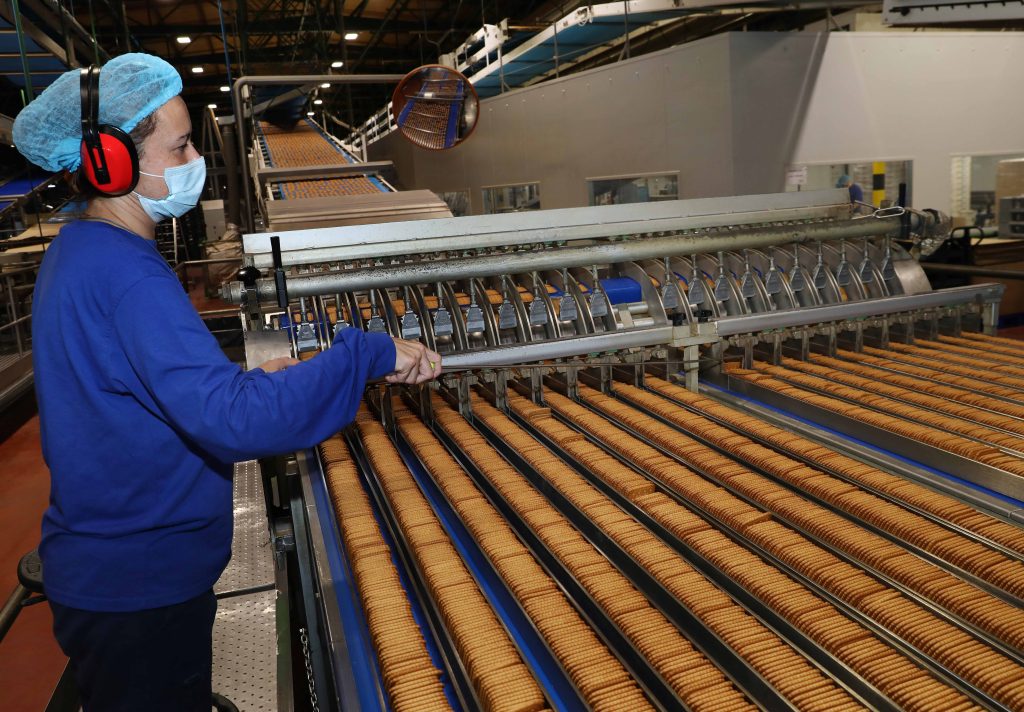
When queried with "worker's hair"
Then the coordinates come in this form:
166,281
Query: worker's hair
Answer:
83,188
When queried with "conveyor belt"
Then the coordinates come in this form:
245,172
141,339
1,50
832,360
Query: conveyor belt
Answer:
305,145
691,564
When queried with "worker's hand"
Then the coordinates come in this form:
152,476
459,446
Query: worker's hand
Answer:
278,364
414,363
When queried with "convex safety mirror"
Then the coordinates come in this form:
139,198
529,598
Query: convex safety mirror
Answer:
435,107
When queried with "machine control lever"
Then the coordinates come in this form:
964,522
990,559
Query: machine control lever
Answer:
280,281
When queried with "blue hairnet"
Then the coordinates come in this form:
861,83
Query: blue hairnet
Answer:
48,131
844,180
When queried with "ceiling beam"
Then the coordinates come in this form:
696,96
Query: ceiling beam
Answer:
284,52
265,27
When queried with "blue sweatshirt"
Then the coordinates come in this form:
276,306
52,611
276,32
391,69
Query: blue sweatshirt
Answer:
142,416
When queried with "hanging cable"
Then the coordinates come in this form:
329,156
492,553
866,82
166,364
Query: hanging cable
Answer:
224,39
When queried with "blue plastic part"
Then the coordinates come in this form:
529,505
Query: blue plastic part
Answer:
357,635
21,186
453,120
870,446
535,652
622,290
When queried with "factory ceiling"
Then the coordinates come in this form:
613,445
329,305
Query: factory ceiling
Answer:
212,42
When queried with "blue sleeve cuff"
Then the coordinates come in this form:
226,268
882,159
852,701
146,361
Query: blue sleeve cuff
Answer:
382,354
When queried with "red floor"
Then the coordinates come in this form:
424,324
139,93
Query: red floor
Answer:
30,660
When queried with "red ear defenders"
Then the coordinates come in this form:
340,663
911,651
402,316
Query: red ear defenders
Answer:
109,160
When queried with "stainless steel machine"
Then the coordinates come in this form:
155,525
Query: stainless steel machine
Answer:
827,401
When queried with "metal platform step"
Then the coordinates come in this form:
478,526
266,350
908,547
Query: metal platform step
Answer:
244,633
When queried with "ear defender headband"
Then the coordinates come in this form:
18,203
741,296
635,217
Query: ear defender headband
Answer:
109,160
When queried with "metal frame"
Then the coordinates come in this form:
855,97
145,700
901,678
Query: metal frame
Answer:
268,175
561,225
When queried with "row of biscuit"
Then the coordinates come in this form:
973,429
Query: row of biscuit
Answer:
937,381
694,678
895,421
303,145
411,679
973,359
499,676
602,680
882,514
852,388
951,645
986,563
956,372
950,345
1003,344
791,674
944,399
850,642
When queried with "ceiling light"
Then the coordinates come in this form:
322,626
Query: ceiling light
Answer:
325,85
225,88
310,113
211,106
197,70
351,35
318,102
52,185
184,39
337,65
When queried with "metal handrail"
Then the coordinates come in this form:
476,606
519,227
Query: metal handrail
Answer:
13,307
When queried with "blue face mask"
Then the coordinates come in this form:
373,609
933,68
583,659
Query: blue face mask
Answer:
184,186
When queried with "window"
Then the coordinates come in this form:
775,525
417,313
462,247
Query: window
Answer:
458,202
633,189
981,183
879,181
512,198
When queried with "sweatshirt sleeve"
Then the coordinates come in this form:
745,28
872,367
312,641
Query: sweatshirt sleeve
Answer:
229,413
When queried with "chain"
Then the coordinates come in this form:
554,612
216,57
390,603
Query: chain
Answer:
309,670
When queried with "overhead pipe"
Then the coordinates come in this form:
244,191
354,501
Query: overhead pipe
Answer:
567,257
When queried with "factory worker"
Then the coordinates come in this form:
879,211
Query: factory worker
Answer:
141,414
856,192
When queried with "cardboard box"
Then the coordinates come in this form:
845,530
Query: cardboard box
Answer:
1009,180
